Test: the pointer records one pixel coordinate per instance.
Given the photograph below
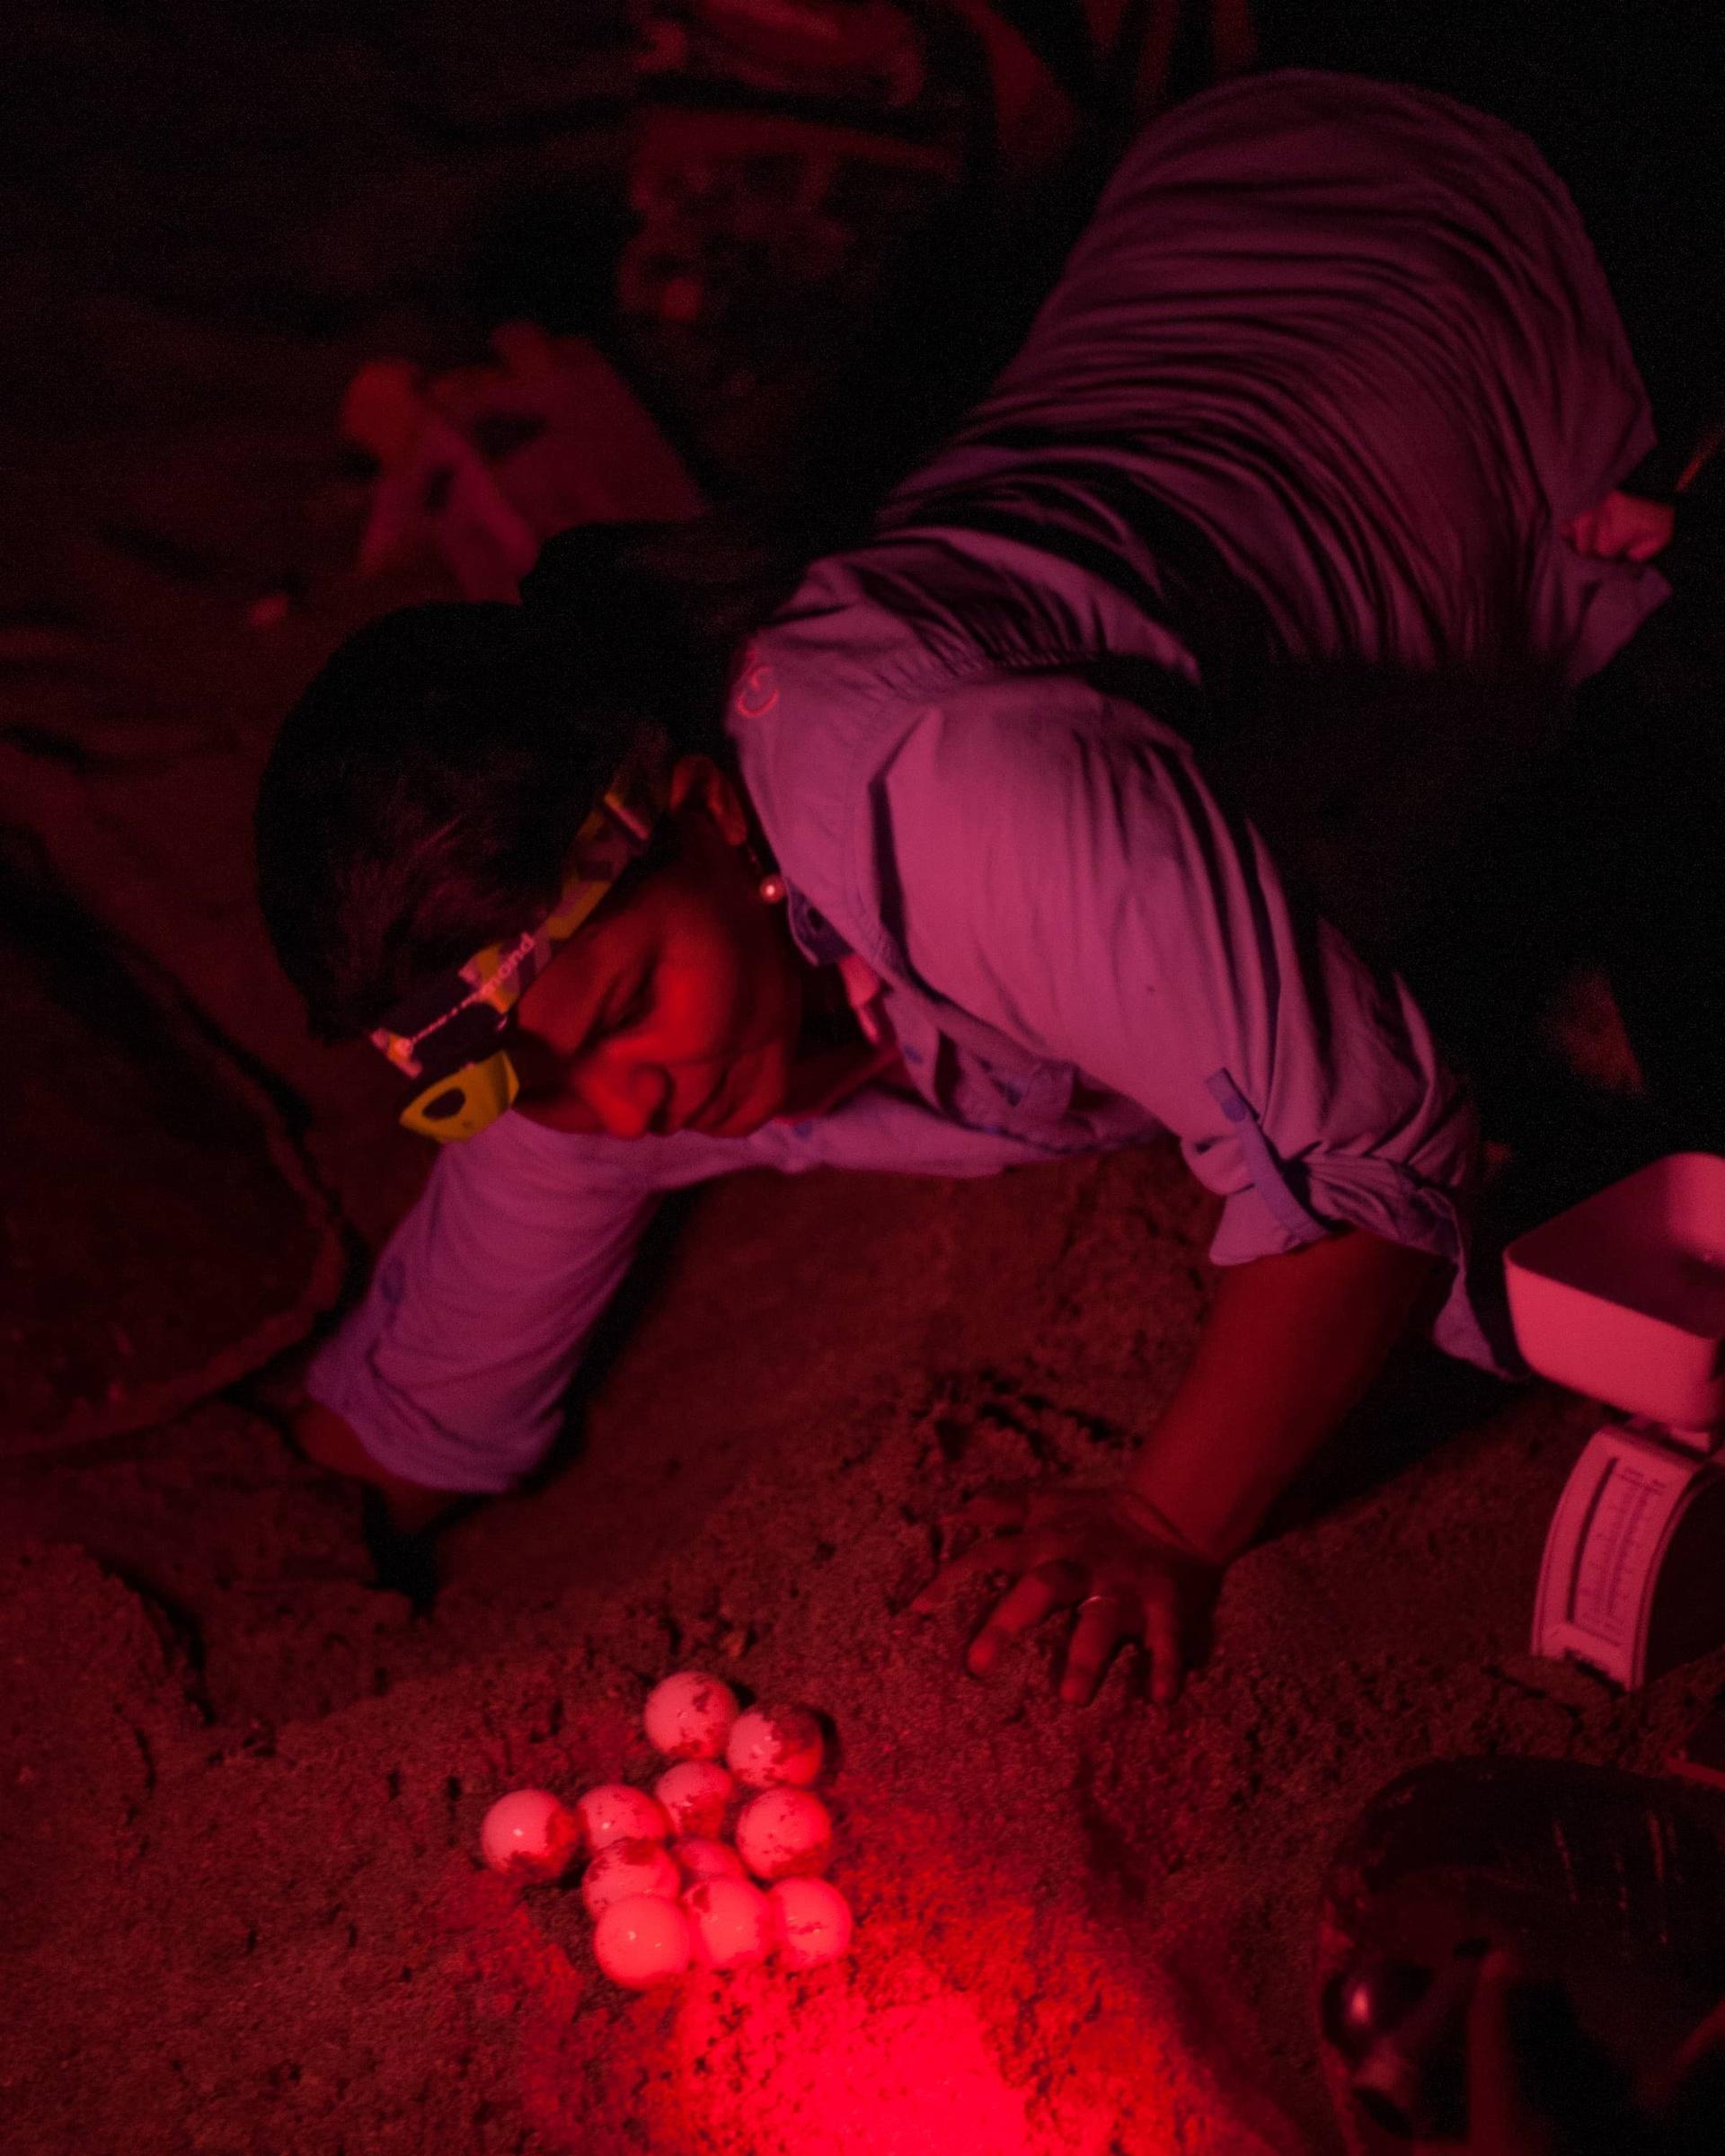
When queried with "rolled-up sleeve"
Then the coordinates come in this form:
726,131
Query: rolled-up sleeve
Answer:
452,1371
1062,871
454,1368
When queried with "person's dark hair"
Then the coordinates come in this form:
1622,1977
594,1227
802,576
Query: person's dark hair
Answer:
422,795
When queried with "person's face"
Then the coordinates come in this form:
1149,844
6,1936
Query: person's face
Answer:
678,1006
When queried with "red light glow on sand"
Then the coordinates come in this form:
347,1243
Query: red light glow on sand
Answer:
829,2072
970,2028
887,2054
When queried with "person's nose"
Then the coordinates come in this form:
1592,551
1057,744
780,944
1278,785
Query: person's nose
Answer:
630,1098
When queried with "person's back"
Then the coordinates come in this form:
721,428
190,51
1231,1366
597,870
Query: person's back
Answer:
1358,335
1287,464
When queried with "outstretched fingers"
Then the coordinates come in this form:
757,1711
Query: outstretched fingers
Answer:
1165,1642
1103,1621
998,1553
1026,1603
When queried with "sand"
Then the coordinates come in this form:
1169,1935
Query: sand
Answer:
247,1790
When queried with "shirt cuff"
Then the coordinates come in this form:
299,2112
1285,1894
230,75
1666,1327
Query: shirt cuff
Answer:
1398,1205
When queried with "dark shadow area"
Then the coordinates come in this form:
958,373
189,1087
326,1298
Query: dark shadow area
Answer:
145,1224
549,254
1607,1879
1624,102
1421,1402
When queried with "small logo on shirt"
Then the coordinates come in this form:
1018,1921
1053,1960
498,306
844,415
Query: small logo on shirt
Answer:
756,691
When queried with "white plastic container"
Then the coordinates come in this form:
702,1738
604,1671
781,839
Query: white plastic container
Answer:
1623,1297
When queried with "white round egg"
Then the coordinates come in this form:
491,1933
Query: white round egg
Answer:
642,1941
773,1745
784,1833
811,1921
689,1716
703,1858
625,1868
614,1812
696,1795
529,1835
731,1924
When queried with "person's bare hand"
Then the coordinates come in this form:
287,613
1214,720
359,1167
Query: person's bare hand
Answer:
1104,1553
1623,527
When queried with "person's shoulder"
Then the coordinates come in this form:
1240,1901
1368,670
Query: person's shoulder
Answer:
921,611
1018,825
1038,735
995,782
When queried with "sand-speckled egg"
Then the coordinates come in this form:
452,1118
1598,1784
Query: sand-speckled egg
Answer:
696,1795
811,1921
773,1744
702,1857
625,1868
730,1924
689,1716
642,1940
784,1833
615,1812
529,1835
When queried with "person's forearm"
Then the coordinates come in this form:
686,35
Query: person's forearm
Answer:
1291,1344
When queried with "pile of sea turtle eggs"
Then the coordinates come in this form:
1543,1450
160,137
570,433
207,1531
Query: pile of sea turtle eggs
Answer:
718,1866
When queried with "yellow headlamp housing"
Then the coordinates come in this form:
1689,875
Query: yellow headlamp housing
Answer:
451,1033
461,1105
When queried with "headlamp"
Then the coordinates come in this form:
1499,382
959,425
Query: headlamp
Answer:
450,1034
